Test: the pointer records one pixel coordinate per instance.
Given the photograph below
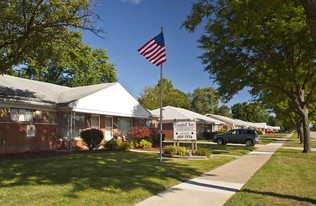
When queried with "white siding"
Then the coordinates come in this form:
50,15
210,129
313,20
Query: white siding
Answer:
114,100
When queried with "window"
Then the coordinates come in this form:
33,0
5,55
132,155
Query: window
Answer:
234,132
95,122
21,115
124,124
45,117
4,114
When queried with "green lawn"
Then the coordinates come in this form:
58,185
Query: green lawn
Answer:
122,178
295,142
288,178
268,138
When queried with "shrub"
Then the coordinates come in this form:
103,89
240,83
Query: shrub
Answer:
92,138
156,138
209,135
124,146
175,150
134,143
140,132
145,144
137,133
114,145
202,152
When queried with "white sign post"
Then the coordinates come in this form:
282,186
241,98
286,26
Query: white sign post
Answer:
184,130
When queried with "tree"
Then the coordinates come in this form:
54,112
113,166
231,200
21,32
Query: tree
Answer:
27,26
253,112
251,43
72,64
205,100
310,11
224,110
150,96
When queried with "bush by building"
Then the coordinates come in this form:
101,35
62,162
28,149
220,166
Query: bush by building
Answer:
92,138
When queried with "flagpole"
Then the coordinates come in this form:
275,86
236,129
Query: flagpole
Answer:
160,92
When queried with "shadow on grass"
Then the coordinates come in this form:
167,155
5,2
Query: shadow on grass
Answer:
277,195
124,171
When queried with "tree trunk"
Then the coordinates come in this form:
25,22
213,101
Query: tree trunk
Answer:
306,132
310,11
300,132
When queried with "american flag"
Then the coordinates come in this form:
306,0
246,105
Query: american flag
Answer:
154,50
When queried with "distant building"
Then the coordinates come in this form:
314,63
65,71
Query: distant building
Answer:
237,123
171,114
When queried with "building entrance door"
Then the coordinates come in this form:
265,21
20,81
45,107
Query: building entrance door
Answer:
108,128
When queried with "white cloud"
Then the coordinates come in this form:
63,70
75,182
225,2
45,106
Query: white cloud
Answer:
132,1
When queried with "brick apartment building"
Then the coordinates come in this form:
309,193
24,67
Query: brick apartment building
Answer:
37,116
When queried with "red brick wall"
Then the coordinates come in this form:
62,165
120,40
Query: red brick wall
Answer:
16,140
167,129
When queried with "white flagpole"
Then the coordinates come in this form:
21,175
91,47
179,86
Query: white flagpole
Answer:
160,92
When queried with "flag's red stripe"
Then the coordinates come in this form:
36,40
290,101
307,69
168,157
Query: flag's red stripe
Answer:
148,48
145,45
154,51
157,54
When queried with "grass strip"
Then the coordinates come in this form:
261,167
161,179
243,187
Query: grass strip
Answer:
295,142
288,178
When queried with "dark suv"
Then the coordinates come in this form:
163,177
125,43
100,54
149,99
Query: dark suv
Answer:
239,136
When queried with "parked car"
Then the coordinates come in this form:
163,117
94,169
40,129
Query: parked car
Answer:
250,137
269,132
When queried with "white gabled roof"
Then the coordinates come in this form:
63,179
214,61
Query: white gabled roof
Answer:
112,100
170,114
222,118
107,98
238,122
261,125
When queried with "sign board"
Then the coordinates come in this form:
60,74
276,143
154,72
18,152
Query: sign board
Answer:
30,130
184,130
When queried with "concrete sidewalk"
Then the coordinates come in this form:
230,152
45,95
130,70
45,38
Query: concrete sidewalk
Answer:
217,186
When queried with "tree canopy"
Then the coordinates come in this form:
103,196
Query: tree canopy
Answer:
205,100
265,45
72,64
150,96
27,27
253,112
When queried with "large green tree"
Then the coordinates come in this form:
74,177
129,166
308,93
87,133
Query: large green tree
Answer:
251,112
262,44
224,110
26,27
72,64
310,11
150,96
205,100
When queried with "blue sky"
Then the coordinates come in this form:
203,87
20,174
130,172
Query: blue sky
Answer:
131,23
